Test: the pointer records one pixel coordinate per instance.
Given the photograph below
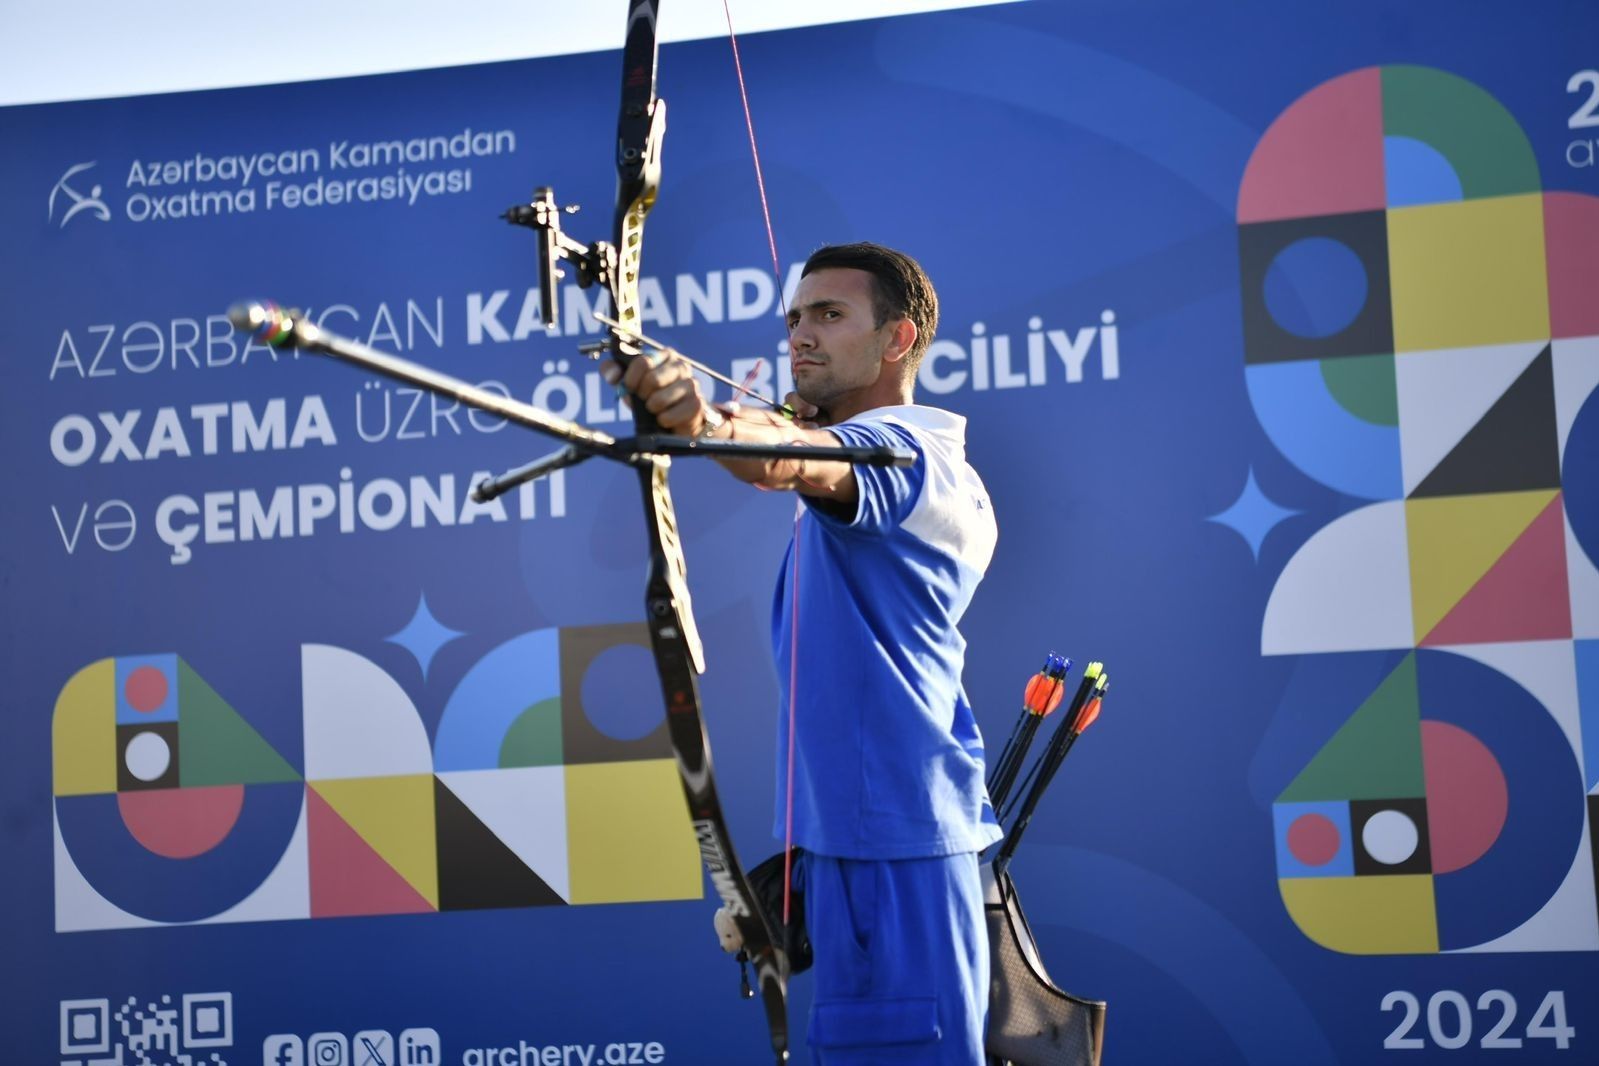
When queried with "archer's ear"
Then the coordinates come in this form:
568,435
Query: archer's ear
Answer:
901,341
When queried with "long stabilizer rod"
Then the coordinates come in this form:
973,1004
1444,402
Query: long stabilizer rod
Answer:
284,328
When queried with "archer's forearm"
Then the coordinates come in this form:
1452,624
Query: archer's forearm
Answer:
811,477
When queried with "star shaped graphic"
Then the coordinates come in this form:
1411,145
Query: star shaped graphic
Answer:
423,635
1252,515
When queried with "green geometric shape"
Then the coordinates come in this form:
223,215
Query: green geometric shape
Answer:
1481,140
218,746
534,738
1376,754
1364,386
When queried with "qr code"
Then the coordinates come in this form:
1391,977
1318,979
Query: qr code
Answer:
155,1033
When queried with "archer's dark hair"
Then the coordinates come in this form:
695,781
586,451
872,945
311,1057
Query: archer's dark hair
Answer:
902,288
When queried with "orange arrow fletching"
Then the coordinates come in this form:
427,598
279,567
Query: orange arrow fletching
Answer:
1043,694
1090,713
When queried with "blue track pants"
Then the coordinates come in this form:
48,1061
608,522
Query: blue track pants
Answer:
901,961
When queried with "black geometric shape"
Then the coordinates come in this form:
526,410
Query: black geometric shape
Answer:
1362,811
1515,447
581,741
167,731
1593,834
476,870
1365,233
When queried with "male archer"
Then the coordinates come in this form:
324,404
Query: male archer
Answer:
888,797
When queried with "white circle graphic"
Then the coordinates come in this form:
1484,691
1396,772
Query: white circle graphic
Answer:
148,756
1390,837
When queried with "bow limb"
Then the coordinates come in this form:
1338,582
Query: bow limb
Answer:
640,131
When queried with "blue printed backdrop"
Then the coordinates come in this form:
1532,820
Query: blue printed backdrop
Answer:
1070,176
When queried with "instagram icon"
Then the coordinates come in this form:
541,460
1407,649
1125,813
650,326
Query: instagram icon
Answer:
327,1049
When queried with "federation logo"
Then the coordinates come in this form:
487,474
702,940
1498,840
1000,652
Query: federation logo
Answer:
73,202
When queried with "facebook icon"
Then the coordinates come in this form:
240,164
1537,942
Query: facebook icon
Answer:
283,1049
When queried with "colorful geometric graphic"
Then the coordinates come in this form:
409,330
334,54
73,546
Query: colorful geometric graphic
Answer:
518,746
372,845
1450,796
1421,332
171,807
167,801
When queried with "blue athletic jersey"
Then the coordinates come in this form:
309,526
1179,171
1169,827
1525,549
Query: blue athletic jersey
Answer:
888,760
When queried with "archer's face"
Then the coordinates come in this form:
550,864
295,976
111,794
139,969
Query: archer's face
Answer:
835,348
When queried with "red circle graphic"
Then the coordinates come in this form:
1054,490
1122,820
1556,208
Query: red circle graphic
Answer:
145,689
1313,839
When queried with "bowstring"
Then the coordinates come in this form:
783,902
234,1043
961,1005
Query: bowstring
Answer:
755,156
793,653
